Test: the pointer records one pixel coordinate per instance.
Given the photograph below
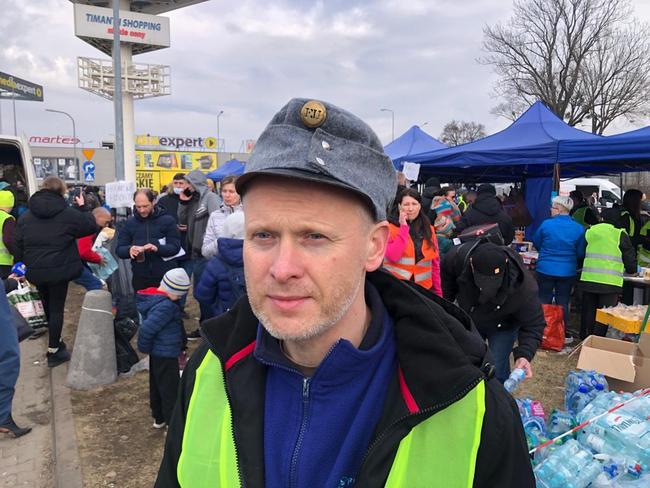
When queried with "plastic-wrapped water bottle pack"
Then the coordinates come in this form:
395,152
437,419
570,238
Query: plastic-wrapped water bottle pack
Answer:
611,449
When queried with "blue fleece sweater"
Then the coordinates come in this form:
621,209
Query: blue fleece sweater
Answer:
317,430
561,243
160,326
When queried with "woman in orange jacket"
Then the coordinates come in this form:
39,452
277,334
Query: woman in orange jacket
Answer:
412,252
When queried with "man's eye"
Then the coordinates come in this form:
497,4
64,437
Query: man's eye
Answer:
315,236
261,235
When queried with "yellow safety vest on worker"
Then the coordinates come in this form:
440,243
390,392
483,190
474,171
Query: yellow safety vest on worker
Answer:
643,254
6,259
603,260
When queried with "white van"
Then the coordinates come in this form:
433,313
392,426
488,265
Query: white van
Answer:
16,168
608,193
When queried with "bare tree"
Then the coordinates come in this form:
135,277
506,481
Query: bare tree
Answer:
582,58
616,81
459,132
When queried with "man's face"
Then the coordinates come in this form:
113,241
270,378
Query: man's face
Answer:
182,184
451,195
143,205
306,250
103,219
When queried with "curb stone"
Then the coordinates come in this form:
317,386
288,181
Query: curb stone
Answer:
64,439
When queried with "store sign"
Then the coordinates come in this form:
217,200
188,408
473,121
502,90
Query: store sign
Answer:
148,179
49,140
175,160
172,142
11,86
97,23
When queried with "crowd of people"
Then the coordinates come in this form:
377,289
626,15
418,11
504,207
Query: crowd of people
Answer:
340,285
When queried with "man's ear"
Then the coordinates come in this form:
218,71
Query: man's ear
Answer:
377,241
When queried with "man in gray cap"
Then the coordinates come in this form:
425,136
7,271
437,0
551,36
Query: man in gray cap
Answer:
332,372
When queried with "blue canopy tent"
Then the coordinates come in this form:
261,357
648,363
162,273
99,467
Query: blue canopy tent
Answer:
232,167
620,153
529,147
413,141
527,150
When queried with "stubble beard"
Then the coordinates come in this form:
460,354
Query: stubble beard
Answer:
331,313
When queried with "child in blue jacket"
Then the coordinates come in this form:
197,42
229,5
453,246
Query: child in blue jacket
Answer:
222,282
160,336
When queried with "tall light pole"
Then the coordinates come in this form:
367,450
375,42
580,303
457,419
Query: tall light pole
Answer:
118,109
392,117
218,135
74,137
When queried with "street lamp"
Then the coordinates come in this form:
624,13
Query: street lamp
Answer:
392,116
74,137
218,132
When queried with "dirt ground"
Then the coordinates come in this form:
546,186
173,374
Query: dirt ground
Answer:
119,448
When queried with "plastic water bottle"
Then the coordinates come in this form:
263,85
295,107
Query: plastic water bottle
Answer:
534,429
516,376
579,400
598,381
561,468
623,434
587,474
559,422
574,381
19,269
639,408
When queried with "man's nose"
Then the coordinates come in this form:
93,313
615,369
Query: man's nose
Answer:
287,263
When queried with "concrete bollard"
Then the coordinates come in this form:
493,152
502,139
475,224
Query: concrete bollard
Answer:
93,360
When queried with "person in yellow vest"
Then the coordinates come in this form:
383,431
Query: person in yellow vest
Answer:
609,254
331,371
629,218
643,248
8,226
412,251
581,212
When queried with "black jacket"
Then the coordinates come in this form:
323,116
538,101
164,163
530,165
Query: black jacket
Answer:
487,210
159,229
169,202
428,194
521,308
45,238
441,356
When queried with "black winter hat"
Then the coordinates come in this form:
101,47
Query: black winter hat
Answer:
487,188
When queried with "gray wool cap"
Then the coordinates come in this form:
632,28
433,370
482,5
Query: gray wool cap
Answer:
317,141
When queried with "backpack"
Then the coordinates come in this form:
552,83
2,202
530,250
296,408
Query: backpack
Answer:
237,283
485,232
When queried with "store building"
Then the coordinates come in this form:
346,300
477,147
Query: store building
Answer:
158,159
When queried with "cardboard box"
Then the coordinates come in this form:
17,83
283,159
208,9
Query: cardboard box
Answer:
620,323
625,364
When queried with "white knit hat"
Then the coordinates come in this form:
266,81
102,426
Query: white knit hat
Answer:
566,202
175,282
233,226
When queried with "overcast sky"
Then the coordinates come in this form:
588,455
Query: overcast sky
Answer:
416,57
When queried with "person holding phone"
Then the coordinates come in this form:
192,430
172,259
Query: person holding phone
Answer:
412,253
149,238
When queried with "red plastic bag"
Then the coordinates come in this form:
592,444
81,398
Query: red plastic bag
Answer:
554,331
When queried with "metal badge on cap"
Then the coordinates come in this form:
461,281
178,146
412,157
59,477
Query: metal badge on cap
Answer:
313,114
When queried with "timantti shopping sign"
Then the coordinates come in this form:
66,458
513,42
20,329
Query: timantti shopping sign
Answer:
94,24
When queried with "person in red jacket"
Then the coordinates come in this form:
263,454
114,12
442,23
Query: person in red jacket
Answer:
85,246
